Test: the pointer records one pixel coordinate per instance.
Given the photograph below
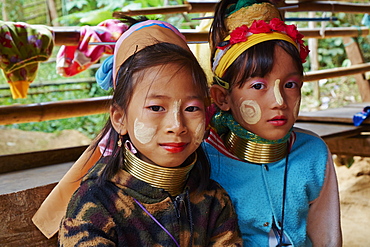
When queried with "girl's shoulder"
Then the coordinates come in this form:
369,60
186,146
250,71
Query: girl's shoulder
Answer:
309,146
307,136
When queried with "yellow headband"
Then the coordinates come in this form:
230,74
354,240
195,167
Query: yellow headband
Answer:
224,58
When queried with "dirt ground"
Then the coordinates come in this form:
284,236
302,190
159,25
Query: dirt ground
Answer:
354,182
18,141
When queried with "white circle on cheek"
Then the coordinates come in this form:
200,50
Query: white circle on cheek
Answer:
250,111
142,133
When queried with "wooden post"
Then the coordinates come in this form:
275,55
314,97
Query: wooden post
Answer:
52,12
355,55
313,44
3,11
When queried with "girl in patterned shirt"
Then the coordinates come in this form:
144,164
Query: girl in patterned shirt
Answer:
151,186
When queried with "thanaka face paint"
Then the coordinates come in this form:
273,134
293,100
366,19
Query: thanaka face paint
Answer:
296,108
176,110
143,133
199,133
277,93
250,111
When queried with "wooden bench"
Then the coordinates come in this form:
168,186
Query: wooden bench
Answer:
336,127
21,194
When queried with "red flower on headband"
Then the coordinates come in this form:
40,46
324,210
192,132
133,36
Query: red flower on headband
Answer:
303,52
241,34
292,32
277,25
260,27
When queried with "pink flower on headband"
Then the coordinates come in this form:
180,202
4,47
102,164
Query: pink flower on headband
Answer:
241,34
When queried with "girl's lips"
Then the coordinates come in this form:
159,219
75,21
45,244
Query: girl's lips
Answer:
278,121
174,147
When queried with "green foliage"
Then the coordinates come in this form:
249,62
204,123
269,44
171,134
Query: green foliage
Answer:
95,17
92,12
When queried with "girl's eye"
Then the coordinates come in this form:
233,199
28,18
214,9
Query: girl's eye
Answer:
291,84
192,108
258,86
156,108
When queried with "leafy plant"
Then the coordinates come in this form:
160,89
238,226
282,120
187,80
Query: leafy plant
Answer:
92,12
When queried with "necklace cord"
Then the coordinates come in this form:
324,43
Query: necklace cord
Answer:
284,198
156,221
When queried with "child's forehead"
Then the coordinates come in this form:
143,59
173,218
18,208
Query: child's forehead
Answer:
167,79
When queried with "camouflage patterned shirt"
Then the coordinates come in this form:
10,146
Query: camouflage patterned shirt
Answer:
108,215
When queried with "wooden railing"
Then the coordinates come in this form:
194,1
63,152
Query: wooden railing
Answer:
76,108
71,35
199,6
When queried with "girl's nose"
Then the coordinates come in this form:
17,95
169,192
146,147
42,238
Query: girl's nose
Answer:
175,123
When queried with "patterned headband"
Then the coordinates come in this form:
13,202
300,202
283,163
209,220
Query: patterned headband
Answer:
136,38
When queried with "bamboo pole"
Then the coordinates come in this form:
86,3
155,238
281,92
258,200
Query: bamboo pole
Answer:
330,6
154,10
70,36
53,110
336,72
76,108
209,6
66,36
334,32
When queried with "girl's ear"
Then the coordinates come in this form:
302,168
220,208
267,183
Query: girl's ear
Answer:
220,96
118,119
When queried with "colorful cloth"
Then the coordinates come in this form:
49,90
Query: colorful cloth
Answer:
312,216
108,215
72,60
22,47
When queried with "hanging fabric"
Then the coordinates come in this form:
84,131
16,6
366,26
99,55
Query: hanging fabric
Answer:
72,60
22,48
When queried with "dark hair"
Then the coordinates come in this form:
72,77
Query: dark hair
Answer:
158,54
257,61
